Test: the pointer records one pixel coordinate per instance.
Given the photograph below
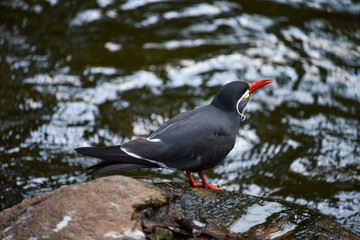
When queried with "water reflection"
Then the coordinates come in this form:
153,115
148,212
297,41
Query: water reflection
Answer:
256,215
102,72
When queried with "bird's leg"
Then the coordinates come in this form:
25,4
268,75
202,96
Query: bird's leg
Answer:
191,180
207,185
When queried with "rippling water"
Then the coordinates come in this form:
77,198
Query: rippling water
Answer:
102,72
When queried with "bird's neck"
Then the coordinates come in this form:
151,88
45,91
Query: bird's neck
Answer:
227,111
224,104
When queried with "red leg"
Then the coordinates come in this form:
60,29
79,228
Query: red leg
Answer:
208,185
191,180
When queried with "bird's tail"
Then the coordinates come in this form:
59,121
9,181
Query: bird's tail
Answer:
114,160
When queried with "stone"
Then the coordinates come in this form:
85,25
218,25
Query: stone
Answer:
99,209
210,214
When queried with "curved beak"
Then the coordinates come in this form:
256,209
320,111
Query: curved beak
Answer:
258,84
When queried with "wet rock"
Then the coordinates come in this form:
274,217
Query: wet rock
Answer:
202,213
119,207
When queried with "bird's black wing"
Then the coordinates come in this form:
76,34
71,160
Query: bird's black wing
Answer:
194,141
197,139
176,120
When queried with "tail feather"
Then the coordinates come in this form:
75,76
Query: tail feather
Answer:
107,167
113,153
114,160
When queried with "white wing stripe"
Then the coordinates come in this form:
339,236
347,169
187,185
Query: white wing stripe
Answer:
153,139
139,157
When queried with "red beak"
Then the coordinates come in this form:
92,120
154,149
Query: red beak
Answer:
258,84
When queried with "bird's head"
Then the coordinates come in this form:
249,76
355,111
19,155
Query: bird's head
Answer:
235,95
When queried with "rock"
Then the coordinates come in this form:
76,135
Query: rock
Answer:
99,209
118,207
202,213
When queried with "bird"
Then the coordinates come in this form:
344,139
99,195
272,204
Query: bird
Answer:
192,141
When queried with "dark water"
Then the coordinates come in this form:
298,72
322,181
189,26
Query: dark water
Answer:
80,73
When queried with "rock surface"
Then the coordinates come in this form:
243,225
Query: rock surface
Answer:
119,207
99,209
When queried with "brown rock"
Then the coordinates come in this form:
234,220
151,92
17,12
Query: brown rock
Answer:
99,209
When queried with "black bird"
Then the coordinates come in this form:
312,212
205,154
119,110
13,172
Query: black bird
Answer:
192,141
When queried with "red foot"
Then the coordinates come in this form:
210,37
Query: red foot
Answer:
208,185
194,184
191,180
204,184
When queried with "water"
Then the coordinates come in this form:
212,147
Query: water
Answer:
102,72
